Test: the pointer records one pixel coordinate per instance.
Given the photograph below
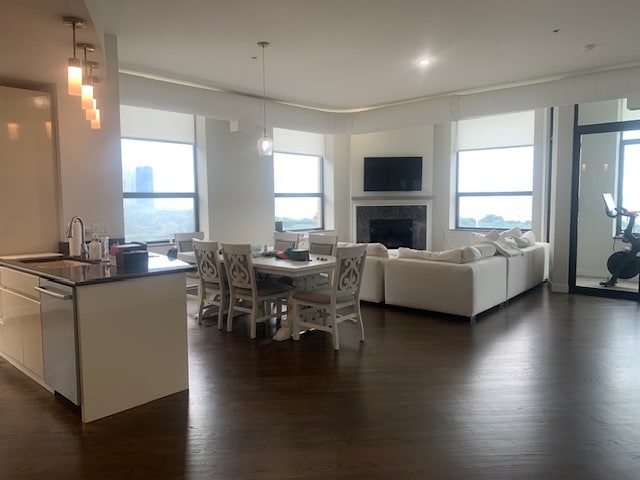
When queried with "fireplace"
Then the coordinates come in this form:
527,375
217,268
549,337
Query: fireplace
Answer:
393,233
392,225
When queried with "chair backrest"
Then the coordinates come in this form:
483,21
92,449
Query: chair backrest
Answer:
184,241
208,261
238,265
322,244
284,240
347,276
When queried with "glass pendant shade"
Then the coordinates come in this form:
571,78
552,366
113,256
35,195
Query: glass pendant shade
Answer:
95,123
91,113
87,97
74,76
265,146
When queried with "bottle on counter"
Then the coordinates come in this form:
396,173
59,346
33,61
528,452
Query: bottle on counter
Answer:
95,249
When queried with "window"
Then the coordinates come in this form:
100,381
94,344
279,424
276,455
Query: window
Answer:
158,184
629,174
495,188
299,191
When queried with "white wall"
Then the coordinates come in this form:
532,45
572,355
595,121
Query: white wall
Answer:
560,211
240,185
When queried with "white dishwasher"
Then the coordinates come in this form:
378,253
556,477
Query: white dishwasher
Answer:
59,338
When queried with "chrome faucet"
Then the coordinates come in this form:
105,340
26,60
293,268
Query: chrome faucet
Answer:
83,245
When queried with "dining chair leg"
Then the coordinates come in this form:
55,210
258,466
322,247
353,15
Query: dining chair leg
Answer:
221,313
359,319
230,314
292,320
254,315
334,331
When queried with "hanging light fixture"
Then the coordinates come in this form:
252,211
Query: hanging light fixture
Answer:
87,79
265,142
95,123
91,113
74,64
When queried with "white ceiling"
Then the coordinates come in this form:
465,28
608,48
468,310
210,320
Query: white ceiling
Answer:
335,54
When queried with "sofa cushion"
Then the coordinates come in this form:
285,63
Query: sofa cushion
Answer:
377,250
453,255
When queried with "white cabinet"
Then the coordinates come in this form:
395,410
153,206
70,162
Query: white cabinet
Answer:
20,320
29,218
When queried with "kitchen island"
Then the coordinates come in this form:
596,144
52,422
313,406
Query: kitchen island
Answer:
130,329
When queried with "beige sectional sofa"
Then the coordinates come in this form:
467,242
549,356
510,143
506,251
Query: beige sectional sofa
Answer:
454,281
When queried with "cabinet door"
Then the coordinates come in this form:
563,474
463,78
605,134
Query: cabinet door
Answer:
21,320
11,306
29,213
32,337
1,325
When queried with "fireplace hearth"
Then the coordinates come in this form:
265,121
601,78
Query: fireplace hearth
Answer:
392,225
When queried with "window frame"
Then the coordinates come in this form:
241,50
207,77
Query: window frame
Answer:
163,195
499,193
320,195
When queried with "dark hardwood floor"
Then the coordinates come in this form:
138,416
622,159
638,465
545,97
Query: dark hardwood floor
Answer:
547,387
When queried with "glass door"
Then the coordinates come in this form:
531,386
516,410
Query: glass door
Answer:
606,161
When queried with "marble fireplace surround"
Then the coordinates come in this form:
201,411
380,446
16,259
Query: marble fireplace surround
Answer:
396,208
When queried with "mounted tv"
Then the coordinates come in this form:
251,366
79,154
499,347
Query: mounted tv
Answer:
392,174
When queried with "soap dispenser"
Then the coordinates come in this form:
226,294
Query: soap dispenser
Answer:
95,249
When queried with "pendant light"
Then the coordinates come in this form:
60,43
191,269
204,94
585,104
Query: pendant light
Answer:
95,123
265,143
74,64
87,80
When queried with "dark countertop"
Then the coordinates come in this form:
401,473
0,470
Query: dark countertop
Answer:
90,273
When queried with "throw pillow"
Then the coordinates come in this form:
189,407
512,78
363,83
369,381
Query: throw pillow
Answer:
512,232
529,235
470,254
486,249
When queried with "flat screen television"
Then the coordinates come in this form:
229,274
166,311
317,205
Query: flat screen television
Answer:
392,174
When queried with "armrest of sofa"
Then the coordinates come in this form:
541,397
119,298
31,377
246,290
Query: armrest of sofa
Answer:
527,270
372,286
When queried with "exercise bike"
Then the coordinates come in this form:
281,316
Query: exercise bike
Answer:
624,263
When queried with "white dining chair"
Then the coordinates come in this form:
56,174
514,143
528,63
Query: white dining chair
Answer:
262,300
184,245
184,242
284,240
322,244
324,309
212,289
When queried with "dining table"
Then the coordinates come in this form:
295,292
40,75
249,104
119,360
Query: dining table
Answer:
294,269
301,272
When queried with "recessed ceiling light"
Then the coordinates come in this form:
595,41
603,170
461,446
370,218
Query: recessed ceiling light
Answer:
423,62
